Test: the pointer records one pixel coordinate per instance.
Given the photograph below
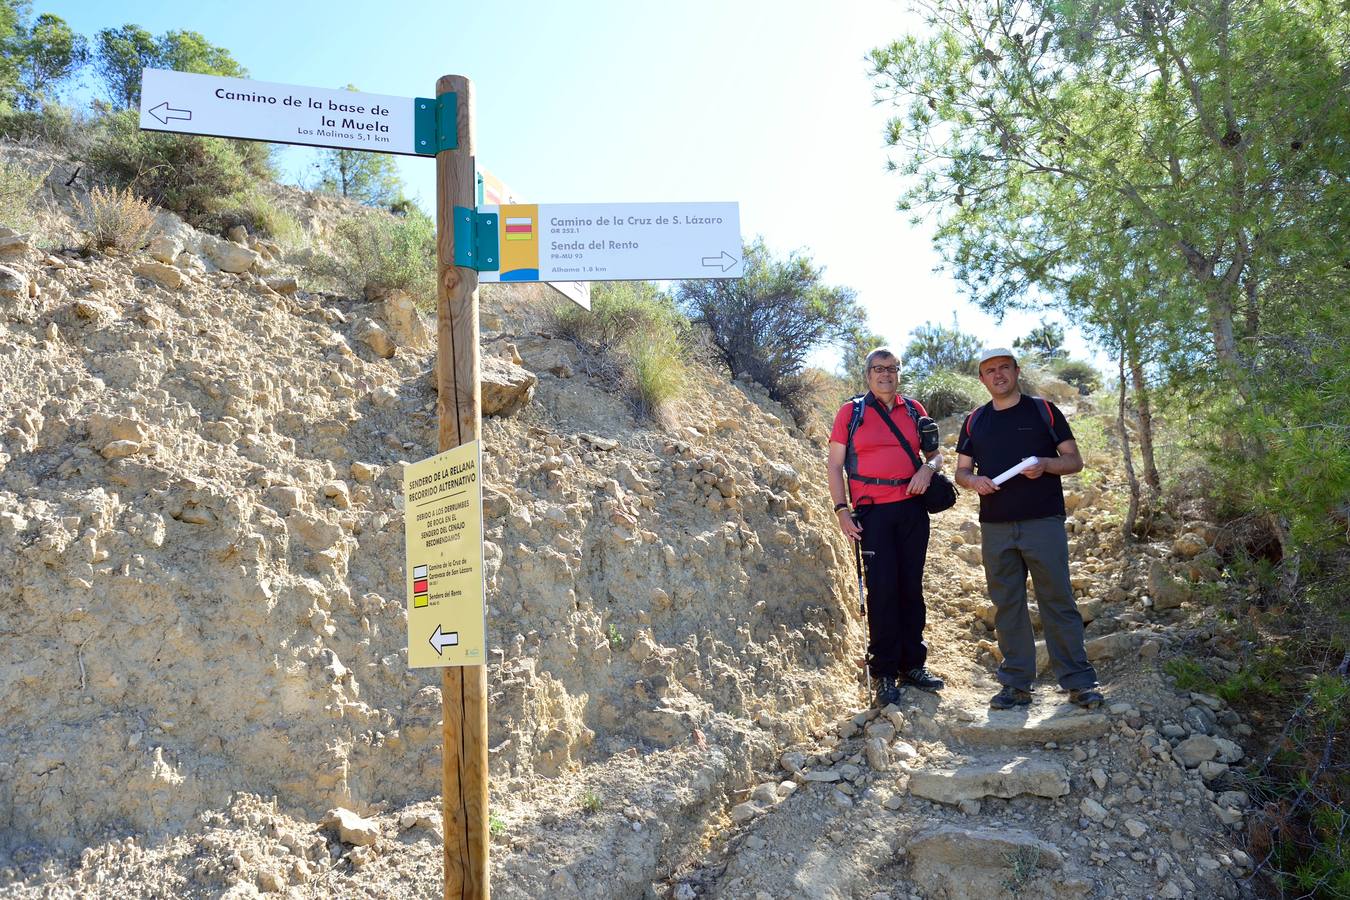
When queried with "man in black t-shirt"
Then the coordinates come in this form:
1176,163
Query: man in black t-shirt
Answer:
1022,530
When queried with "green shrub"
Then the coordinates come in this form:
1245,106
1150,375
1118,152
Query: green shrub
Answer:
948,393
116,219
634,336
1189,674
52,124
18,187
180,172
1079,374
258,213
383,252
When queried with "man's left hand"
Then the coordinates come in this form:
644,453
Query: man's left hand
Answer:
1036,471
919,483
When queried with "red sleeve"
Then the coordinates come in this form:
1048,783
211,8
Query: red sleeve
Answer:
839,433
922,411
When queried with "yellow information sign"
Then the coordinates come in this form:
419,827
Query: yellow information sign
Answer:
443,536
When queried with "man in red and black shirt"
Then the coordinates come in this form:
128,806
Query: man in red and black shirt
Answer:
890,521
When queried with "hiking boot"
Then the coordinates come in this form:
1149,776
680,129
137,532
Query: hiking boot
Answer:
888,691
1087,698
1010,697
923,679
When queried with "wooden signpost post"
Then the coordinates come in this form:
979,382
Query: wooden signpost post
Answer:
552,244
464,760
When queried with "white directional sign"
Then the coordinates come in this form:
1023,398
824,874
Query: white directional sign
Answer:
282,113
617,241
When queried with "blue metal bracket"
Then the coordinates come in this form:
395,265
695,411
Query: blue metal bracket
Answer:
476,245
435,124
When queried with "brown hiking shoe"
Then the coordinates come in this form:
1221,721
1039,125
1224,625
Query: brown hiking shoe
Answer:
1010,697
1087,698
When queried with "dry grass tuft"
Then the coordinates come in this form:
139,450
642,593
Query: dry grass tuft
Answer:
116,219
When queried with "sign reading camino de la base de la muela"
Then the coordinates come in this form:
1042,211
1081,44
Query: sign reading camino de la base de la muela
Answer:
617,241
214,105
443,539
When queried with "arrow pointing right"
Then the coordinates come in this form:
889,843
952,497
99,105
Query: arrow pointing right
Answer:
167,113
441,640
726,261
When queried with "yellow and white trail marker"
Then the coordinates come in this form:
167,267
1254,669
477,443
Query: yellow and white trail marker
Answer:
443,530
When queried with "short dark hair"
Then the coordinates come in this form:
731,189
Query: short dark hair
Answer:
880,351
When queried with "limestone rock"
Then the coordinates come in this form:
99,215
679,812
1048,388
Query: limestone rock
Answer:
1037,776
825,775
282,284
105,428
351,828
168,276
1035,725
965,864
1112,646
119,449
1229,751
229,256
792,760
13,244
403,320
545,355
878,757
1195,749
506,387
1093,810
744,812
13,285
372,333
1188,546
1167,592
164,249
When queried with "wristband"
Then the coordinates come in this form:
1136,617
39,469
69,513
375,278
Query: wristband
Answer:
839,506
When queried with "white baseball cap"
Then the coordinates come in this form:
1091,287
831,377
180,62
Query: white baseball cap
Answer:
989,353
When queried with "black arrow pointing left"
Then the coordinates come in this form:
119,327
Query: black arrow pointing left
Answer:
165,113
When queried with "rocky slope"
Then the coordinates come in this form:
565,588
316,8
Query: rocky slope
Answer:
200,471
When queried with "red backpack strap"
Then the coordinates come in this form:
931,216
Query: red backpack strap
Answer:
1047,416
970,419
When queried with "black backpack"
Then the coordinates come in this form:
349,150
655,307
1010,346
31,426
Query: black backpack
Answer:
851,456
1042,406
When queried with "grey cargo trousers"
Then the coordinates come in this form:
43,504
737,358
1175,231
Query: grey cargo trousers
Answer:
1041,547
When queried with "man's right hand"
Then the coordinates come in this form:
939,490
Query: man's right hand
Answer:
982,485
851,529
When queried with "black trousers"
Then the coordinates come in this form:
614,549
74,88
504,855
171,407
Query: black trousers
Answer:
897,536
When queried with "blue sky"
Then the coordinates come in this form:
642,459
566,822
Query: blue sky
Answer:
764,103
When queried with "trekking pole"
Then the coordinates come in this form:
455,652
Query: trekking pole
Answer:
858,554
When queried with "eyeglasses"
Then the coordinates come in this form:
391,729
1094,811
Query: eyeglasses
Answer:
877,370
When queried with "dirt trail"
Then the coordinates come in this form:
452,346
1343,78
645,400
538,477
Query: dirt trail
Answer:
939,796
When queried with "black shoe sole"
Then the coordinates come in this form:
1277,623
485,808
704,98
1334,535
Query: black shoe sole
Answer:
1013,705
1088,704
930,688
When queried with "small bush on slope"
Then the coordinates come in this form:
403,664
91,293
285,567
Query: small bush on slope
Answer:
116,219
635,336
18,187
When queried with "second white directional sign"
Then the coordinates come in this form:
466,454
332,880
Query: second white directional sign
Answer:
282,113
617,241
